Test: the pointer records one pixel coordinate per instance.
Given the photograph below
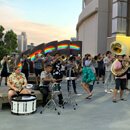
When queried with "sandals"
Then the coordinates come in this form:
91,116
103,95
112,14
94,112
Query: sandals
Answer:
114,100
123,99
89,97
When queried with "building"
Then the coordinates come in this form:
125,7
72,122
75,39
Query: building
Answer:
22,42
31,46
102,22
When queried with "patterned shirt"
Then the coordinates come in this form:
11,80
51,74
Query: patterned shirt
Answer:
44,74
38,64
16,80
57,68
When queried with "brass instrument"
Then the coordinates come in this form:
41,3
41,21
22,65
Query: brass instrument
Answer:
119,48
95,58
9,59
63,57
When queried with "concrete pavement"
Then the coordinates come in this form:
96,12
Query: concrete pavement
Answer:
98,113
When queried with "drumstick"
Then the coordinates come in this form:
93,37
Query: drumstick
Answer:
58,79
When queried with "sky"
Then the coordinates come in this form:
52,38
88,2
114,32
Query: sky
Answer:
43,20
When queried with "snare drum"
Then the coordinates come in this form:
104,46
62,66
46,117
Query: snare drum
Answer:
56,88
23,104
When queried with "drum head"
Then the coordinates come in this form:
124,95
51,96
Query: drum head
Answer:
23,97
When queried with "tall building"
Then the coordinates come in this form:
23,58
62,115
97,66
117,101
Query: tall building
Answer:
22,42
102,22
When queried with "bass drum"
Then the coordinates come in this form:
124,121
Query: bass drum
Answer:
23,104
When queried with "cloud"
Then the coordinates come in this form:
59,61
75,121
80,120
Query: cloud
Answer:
12,18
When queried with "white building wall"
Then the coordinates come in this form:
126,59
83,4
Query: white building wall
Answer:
88,35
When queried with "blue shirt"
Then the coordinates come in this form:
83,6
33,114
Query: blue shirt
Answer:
38,64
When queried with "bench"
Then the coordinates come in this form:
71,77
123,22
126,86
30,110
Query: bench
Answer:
4,95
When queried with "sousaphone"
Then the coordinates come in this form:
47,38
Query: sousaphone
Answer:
118,48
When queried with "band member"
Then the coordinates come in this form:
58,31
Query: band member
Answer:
84,59
120,81
17,83
45,79
89,64
108,75
128,72
48,59
12,64
57,67
31,64
25,65
71,72
37,66
5,69
87,80
101,68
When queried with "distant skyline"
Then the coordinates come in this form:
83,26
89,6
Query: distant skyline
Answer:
43,20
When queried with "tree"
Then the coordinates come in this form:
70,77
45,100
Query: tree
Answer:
8,42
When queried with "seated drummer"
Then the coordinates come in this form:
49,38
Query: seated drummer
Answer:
17,83
45,79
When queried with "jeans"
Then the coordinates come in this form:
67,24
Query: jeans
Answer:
109,78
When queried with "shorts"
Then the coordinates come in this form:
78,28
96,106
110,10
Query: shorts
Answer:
101,72
128,75
96,70
4,74
38,72
120,83
15,91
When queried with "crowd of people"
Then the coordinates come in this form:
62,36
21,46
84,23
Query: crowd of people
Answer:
53,69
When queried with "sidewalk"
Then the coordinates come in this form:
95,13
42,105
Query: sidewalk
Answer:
98,113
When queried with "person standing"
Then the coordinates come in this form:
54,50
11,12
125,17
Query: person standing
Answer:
71,72
101,68
120,81
37,66
25,65
57,72
84,59
47,60
12,64
5,69
108,75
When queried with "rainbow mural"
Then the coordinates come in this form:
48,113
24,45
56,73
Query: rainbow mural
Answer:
32,58
62,46
33,55
20,65
74,47
49,49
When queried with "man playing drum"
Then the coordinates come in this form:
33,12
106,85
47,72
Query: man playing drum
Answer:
45,79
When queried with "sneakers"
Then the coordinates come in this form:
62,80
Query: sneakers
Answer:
108,92
111,90
105,90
